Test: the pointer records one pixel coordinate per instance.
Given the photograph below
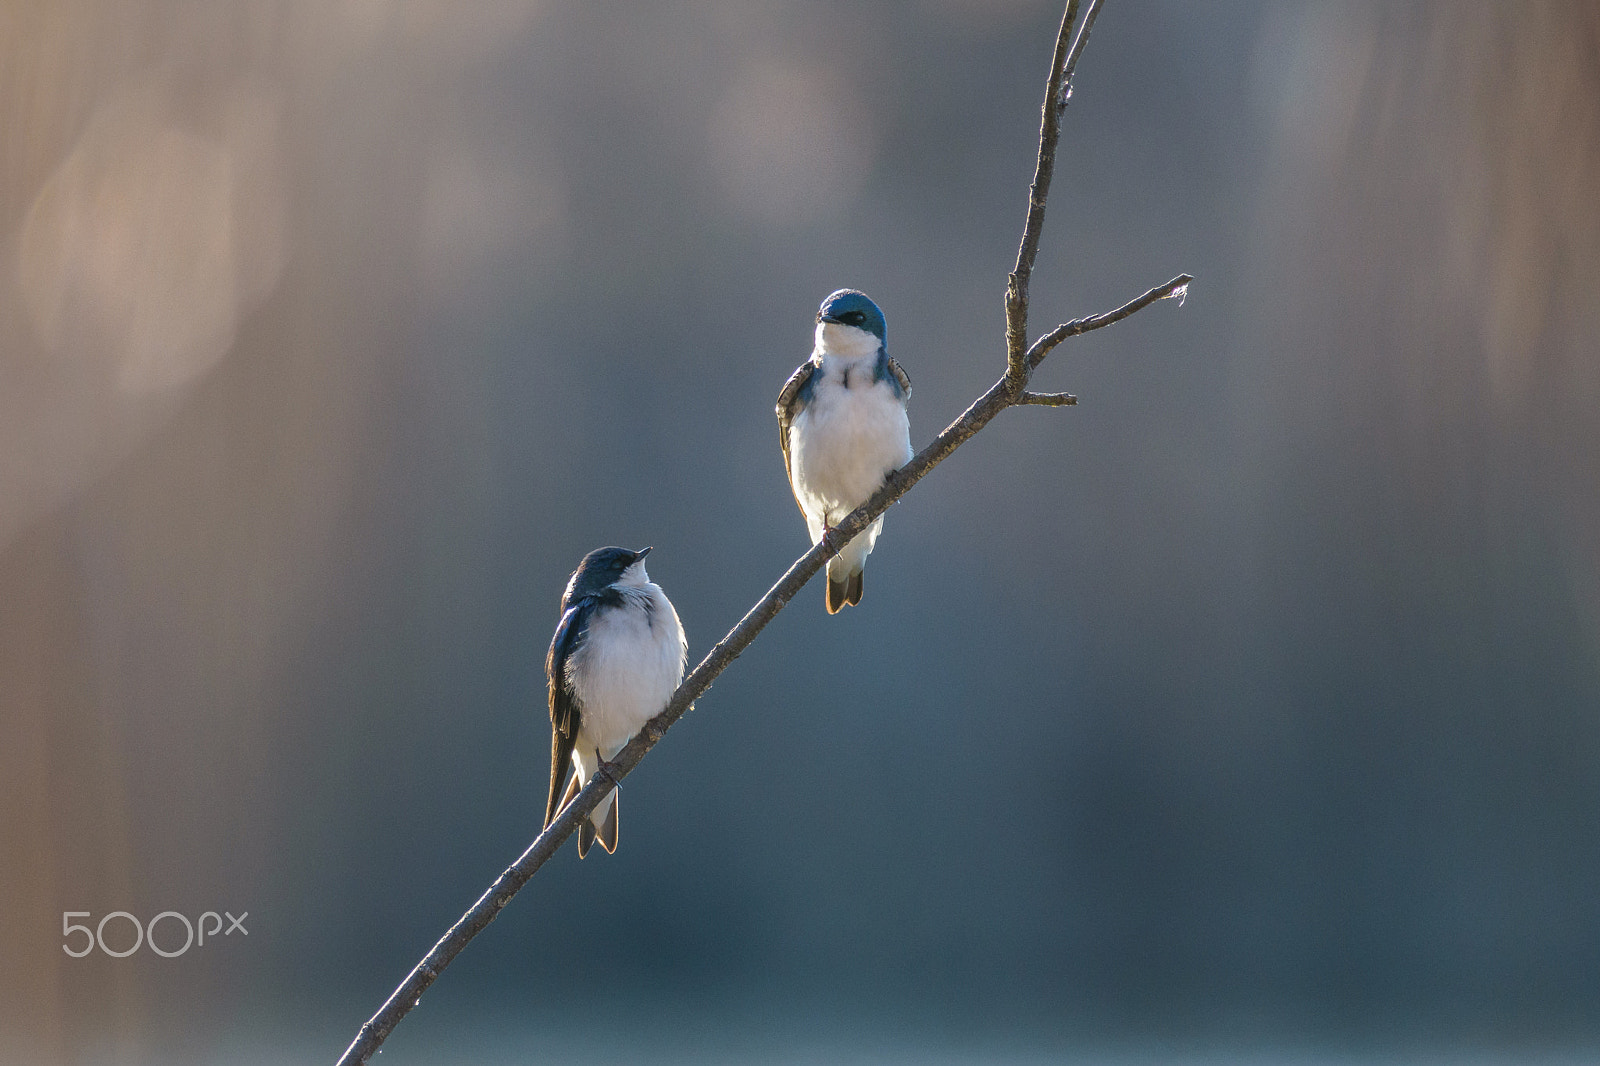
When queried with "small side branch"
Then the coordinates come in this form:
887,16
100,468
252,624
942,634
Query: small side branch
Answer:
1178,287
1077,50
1047,399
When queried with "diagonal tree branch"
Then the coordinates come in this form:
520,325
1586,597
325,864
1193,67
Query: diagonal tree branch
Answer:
1008,391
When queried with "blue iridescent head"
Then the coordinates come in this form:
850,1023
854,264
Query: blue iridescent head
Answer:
851,307
603,568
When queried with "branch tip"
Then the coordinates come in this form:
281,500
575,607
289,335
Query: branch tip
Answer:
1177,287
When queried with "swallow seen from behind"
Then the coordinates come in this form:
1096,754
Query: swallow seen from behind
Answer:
842,423
617,656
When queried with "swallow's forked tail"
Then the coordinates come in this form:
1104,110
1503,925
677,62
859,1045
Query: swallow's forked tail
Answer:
606,834
843,592
587,834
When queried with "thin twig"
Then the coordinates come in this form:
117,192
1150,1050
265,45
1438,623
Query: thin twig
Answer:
1077,50
1004,393
1177,287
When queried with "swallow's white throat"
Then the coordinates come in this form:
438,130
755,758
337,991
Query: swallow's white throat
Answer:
634,576
845,342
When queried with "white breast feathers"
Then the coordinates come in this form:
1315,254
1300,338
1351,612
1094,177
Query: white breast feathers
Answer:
629,663
850,435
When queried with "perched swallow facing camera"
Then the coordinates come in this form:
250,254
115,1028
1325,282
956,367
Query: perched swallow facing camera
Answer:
617,656
842,422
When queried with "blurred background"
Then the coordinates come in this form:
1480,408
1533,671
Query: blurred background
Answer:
1248,711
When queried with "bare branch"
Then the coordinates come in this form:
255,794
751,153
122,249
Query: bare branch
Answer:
1047,399
1038,193
1007,392
1177,287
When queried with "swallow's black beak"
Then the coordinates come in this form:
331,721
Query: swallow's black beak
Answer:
829,318
640,554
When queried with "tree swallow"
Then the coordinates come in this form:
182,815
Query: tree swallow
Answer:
617,656
842,423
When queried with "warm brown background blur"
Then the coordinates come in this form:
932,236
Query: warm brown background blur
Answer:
332,334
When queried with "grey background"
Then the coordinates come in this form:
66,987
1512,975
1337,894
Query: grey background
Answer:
1249,707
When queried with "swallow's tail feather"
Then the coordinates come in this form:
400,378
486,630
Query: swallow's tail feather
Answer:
573,787
844,569
844,588
844,577
838,595
560,767
607,834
